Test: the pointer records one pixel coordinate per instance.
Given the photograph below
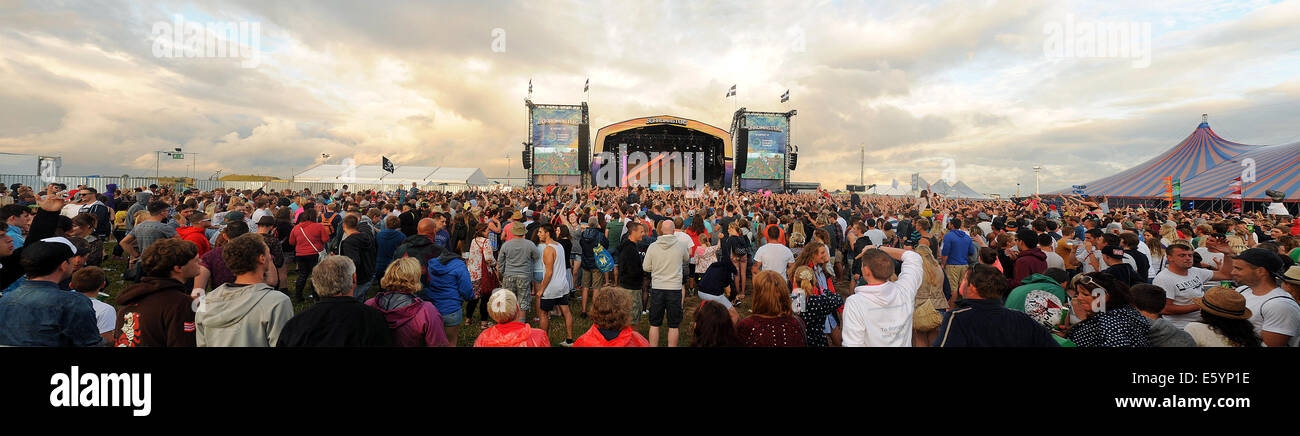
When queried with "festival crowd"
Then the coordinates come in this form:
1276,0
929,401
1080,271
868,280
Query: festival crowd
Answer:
412,267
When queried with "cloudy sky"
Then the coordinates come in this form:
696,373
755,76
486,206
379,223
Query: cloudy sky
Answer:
428,83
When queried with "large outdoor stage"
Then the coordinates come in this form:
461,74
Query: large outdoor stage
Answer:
661,151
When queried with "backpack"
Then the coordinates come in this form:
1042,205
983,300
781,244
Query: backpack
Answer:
327,220
604,261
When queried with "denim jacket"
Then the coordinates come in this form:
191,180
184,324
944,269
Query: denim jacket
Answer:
39,314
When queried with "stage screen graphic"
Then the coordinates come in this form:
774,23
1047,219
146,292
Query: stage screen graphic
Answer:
555,140
767,146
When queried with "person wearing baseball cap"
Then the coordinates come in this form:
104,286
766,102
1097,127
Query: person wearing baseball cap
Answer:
38,312
1275,314
1113,255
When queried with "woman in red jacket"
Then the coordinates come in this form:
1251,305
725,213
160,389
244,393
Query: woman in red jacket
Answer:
308,238
611,317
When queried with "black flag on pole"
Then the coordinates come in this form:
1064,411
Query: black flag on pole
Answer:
388,165
587,85
785,97
731,92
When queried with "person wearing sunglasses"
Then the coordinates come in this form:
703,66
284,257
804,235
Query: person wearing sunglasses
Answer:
1106,315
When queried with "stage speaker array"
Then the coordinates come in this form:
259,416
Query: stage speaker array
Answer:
794,160
742,150
527,158
584,147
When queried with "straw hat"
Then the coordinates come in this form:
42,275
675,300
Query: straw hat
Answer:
1224,302
1292,275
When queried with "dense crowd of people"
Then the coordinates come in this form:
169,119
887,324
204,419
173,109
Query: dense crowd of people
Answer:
412,267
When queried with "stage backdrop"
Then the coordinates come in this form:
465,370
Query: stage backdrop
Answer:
768,138
555,140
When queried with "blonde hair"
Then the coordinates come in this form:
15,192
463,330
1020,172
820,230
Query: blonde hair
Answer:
503,306
403,275
933,274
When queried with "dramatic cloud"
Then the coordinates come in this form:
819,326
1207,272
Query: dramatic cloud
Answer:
915,83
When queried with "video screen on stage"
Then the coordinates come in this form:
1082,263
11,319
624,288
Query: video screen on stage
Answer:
555,140
767,144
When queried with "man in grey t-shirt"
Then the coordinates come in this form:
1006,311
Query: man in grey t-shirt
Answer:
516,258
146,232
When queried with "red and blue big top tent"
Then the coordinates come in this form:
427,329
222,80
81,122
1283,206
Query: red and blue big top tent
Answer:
1206,165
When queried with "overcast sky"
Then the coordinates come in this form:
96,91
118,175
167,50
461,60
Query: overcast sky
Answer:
437,84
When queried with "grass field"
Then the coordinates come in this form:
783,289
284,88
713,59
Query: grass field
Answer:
470,329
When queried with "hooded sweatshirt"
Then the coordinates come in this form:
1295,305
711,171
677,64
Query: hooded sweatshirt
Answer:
663,261
420,247
1038,282
242,316
196,235
155,313
387,241
512,334
1164,334
881,315
1030,262
626,338
449,283
141,203
414,322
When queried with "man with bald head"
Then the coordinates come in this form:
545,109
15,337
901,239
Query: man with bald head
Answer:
663,261
421,246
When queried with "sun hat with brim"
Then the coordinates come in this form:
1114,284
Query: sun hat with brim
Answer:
518,229
1224,302
517,216
1292,275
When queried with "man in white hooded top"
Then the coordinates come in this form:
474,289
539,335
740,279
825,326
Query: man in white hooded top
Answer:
247,312
879,314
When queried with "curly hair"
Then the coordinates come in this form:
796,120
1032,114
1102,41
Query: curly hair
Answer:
611,309
241,253
165,254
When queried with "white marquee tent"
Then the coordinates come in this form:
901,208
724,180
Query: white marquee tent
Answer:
402,175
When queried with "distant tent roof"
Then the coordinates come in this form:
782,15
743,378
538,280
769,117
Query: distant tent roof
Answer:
1276,167
374,174
960,190
1200,151
941,187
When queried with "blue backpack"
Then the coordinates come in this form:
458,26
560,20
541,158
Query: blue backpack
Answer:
604,261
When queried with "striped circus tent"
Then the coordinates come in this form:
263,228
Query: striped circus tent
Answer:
1199,152
1277,167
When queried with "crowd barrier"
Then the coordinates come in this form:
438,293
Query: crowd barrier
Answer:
123,183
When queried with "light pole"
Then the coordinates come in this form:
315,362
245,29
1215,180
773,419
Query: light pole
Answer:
862,165
1036,168
157,154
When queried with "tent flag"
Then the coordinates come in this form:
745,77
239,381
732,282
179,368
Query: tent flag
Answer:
1234,193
